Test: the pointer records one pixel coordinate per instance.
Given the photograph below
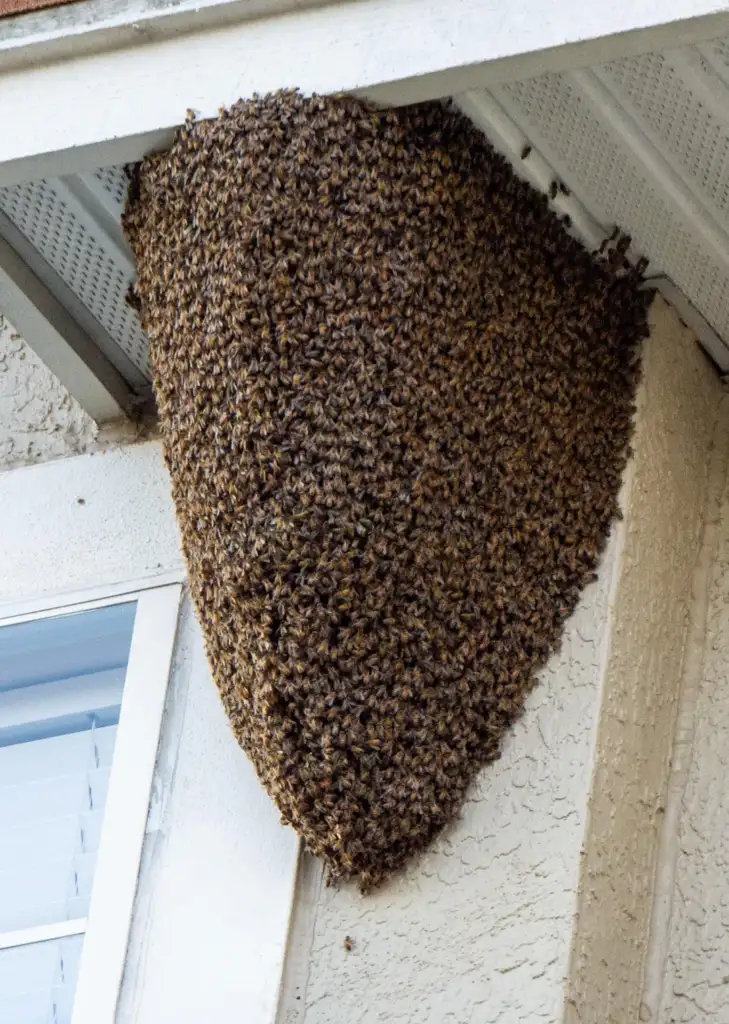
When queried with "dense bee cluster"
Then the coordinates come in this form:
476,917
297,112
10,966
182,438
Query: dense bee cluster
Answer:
396,401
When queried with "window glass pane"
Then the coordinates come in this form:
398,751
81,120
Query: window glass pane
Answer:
61,685
37,982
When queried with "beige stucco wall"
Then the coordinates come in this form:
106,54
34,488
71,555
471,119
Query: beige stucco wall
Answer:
480,930
39,419
695,971
678,407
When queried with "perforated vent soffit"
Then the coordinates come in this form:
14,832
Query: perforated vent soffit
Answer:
640,143
68,232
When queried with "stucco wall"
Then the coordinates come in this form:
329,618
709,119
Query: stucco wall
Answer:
481,928
678,406
215,888
38,418
695,983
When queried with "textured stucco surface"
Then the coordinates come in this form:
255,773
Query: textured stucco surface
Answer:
677,411
39,420
480,929
86,521
696,979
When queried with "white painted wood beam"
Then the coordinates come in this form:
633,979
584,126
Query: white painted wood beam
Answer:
127,807
45,702
392,51
59,340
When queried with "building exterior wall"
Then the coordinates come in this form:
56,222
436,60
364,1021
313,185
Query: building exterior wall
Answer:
678,407
481,928
38,418
695,975
214,892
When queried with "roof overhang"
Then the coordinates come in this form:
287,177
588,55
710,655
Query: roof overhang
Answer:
101,83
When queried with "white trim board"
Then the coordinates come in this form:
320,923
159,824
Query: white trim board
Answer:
127,806
69,602
394,51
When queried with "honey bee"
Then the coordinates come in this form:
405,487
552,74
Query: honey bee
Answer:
348,944
375,353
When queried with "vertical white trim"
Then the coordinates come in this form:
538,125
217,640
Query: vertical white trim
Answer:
655,973
120,850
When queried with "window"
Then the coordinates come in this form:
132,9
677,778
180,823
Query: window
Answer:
81,697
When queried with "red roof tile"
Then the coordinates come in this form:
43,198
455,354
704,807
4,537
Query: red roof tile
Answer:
10,7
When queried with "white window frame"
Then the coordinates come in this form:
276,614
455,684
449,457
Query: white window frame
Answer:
107,927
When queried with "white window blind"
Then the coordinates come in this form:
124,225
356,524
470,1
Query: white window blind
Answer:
61,686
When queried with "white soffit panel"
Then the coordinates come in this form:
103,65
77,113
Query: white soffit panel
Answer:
68,231
641,144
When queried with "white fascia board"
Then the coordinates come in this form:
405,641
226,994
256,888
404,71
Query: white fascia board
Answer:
109,101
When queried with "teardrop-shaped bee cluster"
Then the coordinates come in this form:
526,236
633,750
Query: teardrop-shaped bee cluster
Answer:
396,401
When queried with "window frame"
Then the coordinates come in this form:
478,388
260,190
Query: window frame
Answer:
106,929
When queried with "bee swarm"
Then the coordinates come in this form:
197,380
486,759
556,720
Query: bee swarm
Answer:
396,400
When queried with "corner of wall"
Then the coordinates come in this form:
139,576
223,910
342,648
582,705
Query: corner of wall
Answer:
664,510
39,419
